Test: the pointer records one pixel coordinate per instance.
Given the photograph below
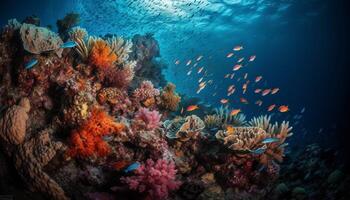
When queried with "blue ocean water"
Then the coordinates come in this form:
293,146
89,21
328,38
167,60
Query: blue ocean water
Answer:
300,48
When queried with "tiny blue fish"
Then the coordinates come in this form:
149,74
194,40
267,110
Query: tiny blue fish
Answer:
258,151
132,167
69,44
269,140
31,63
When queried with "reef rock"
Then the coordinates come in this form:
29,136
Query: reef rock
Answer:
38,39
13,123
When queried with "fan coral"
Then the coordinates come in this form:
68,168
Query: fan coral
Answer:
156,179
169,100
38,39
146,93
87,140
77,33
150,119
101,55
13,123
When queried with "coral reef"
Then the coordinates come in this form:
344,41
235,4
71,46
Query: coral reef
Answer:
75,126
69,21
156,179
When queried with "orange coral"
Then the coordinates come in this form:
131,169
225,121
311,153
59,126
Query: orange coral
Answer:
101,55
87,140
169,99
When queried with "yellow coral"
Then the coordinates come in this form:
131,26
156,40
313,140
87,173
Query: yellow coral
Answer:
101,54
169,100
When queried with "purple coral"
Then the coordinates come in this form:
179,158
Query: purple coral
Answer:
150,119
155,179
145,91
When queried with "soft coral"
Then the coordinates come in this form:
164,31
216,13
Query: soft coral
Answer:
101,55
87,140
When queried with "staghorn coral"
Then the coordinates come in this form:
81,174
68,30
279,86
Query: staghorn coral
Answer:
77,33
38,39
13,122
149,119
101,54
87,140
30,159
169,100
156,179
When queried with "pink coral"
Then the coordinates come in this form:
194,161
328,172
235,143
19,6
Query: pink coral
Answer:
145,91
150,119
155,179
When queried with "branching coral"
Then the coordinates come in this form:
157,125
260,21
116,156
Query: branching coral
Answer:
149,119
101,55
156,179
87,140
169,99
13,123
146,93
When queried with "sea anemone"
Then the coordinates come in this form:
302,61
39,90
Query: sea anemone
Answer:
101,55
169,99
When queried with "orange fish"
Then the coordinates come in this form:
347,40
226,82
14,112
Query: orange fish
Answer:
252,58
274,90
224,101
177,62
230,130
229,55
231,92
238,48
283,108
256,91
192,108
237,67
258,102
235,112
188,62
266,92
230,88
243,100
270,108
240,60
258,78
120,165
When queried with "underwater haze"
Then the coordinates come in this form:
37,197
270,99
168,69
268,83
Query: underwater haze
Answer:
284,58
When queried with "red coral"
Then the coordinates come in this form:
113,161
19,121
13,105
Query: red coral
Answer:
155,179
101,55
150,119
87,140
